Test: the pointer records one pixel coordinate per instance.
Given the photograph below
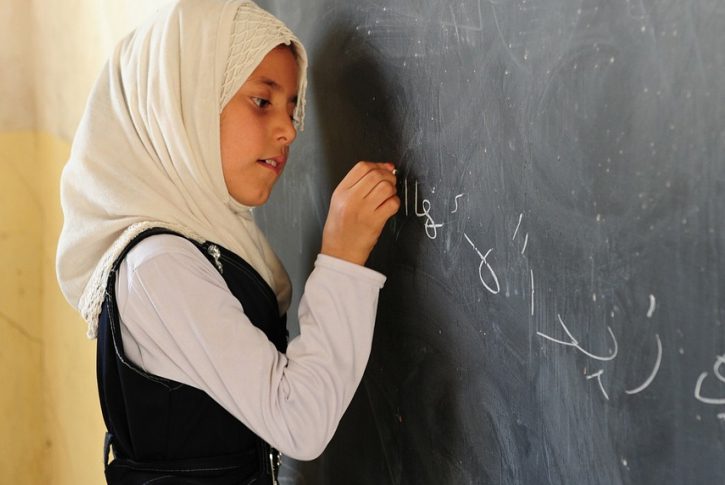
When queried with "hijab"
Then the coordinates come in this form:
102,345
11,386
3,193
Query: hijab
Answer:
147,150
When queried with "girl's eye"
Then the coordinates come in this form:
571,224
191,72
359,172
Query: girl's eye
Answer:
260,102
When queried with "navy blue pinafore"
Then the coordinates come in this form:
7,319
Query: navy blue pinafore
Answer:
162,431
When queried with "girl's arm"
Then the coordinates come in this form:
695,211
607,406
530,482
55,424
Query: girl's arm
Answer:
180,321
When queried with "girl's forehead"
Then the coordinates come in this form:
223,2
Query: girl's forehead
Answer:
278,69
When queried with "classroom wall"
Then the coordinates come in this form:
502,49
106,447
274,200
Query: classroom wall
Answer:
17,107
25,443
21,400
73,40
52,52
73,421
47,364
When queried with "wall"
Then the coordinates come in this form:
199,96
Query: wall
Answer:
22,401
51,416
73,422
17,110
74,38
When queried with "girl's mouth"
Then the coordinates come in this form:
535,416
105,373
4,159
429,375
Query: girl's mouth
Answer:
272,164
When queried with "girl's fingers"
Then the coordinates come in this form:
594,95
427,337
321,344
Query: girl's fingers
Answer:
373,179
361,173
389,207
363,201
381,192
356,173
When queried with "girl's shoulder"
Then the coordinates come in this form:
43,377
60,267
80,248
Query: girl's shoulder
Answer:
165,247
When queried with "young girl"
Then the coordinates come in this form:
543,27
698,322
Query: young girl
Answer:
188,127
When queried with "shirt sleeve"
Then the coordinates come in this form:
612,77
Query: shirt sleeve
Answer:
180,321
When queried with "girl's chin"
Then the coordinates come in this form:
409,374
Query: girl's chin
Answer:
251,200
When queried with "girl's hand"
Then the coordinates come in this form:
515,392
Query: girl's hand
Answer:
361,204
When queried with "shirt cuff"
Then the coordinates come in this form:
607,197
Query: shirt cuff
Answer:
350,269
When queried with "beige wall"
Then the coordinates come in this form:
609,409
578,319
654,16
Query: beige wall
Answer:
73,421
51,52
21,242
73,39
49,404
17,102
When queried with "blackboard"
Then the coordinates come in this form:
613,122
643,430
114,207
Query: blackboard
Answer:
555,302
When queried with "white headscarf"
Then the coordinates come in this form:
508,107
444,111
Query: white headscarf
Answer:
147,150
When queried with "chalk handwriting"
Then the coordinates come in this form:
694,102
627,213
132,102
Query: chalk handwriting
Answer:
431,228
523,249
574,343
654,371
532,291
598,376
716,368
516,231
490,281
456,202
521,216
484,261
651,306
719,361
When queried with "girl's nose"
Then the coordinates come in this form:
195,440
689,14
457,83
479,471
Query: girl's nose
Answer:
286,130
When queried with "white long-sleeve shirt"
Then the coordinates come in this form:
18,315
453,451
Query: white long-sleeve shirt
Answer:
180,321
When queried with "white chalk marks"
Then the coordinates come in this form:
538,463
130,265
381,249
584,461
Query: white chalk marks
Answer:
491,280
516,231
523,250
431,228
573,342
719,361
455,200
486,273
484,261
652,304
653,374
598,376
532,292
423,210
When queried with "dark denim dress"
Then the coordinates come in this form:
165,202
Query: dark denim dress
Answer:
162,431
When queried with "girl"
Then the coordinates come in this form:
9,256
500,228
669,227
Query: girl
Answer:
189,127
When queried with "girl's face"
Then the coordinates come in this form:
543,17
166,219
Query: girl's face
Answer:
257,128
